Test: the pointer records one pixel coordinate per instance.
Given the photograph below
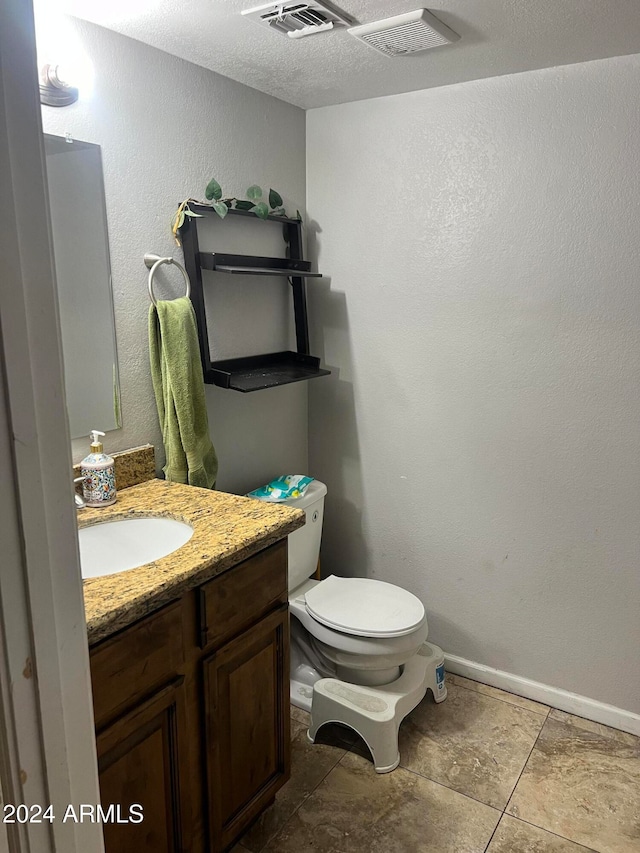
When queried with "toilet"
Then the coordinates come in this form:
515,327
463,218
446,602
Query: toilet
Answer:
359,654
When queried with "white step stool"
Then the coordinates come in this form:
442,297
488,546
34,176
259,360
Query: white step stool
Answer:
375,713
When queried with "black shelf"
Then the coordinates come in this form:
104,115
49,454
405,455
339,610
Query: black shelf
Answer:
255,265
265,371
265,271
206,208
253,373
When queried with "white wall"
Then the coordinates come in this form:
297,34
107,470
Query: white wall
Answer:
165,127
480,436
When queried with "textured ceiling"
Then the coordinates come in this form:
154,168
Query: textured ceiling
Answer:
497,37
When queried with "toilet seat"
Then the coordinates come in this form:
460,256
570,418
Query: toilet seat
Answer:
364,607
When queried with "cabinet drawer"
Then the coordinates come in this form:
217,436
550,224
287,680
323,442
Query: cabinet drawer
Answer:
127,666
244,594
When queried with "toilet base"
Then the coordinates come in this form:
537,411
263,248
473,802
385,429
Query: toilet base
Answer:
375,713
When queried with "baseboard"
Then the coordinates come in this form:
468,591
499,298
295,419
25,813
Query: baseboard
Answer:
572,703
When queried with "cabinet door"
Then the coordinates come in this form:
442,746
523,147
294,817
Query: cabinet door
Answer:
141,761
247,725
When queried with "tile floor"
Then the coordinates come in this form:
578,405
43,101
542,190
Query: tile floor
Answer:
483,771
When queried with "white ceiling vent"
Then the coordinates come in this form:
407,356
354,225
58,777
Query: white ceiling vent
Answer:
404,34
298,19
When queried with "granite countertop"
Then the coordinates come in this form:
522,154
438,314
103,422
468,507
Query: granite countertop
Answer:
226,530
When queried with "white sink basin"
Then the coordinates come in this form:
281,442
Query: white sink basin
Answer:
113,546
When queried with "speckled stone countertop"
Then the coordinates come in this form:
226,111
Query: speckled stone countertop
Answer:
226,530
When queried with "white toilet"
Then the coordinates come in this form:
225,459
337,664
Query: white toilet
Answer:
358,650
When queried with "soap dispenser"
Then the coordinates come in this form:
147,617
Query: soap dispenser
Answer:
99,485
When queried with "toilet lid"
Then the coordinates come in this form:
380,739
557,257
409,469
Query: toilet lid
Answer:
364,607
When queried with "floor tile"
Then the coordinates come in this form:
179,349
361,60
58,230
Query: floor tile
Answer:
310,763
583,785
511,698
300,715
356,810
514,836
596,728
472,743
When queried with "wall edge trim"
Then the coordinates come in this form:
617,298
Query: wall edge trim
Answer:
572,703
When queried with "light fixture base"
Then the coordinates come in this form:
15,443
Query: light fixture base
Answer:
54,91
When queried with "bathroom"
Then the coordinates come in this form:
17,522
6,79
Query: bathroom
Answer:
478,433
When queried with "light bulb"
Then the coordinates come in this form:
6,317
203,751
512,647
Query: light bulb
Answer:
64,64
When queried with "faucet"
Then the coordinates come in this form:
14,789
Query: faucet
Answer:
79,500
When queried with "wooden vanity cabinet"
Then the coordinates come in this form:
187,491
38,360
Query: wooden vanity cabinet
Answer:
142,760
247,725
191,707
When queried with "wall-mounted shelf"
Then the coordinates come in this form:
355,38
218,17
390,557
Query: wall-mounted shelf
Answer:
255,265
207,209
265,370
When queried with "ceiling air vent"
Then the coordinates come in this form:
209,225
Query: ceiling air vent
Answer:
404,34
298,19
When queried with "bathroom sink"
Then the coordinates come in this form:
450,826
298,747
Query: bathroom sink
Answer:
114,546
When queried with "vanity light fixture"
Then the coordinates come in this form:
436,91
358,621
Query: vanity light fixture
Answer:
65,69
55,91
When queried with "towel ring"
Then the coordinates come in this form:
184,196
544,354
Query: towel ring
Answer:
152,262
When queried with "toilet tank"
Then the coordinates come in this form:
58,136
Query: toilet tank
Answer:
304,543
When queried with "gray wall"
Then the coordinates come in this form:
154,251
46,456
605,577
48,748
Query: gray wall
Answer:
480,434
165,127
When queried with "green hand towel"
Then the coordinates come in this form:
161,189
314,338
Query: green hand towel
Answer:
176,373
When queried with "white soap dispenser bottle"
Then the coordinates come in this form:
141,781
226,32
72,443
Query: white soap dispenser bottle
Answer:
99,485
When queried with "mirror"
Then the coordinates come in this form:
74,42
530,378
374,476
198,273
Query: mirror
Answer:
81,249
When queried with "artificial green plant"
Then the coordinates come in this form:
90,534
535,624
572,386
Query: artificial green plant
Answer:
254,203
